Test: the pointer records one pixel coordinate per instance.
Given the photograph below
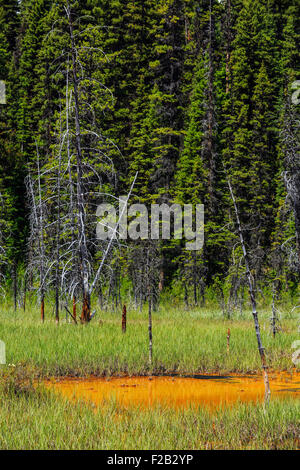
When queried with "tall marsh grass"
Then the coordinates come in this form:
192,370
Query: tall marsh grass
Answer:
42,420
184,341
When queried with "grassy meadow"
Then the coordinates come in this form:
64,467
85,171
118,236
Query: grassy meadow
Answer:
38,419
184,341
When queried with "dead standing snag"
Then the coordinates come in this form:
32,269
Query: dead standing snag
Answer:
252,297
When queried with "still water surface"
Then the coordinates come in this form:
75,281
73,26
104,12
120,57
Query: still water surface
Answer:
177,391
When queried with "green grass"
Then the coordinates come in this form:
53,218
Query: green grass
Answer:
183,341
42,420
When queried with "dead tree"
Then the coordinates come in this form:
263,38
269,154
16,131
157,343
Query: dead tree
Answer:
88,280
275,321
77,179
3,251
42,243
291,175
149,307
208,152
72,209
252,297
37,205
82,236
58,232
67,187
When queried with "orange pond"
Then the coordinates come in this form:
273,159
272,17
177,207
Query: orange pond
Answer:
177,391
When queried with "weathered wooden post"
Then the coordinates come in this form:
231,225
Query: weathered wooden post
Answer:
124,319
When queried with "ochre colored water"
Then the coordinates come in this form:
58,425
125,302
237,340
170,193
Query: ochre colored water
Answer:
177,391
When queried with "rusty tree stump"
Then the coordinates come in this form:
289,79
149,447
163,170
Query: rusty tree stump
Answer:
228,339
43,310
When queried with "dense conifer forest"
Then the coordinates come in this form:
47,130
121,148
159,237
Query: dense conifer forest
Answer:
192,95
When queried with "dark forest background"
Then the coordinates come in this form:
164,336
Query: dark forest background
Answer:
188,93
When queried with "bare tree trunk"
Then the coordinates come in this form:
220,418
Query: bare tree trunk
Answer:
41,241
83,251
74,309
15,285
150,329
71,185
252,297
149,308
25,291
273,319
290,143
97,275
195,279
210,113
57,300
57,279
186,298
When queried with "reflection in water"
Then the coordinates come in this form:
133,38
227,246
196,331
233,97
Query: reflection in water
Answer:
177,391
